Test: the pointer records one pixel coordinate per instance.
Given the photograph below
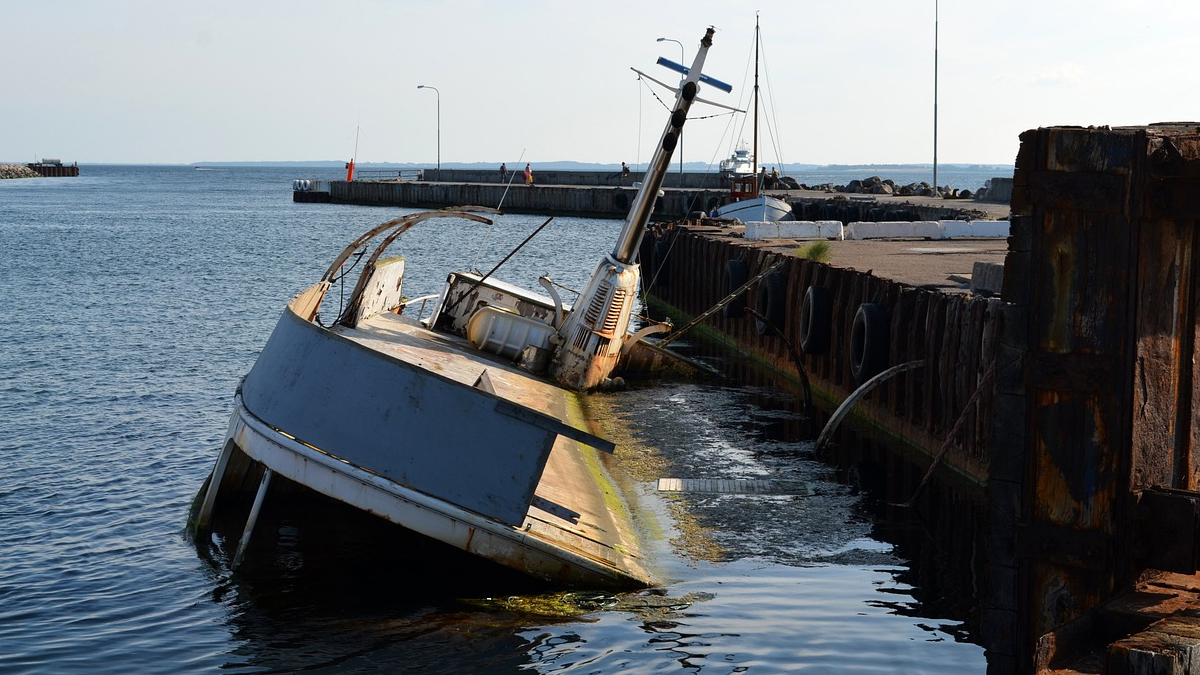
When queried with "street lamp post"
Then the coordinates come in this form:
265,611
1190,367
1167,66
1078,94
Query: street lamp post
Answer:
681,58
936,189
439,127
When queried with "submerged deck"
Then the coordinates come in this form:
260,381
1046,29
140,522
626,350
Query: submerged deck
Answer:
576,506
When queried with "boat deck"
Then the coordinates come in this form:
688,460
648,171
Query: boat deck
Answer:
576,506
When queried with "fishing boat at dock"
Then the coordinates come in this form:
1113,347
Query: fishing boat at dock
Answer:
465,425
746,201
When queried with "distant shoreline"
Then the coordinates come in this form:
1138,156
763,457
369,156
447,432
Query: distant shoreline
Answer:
566,165
560,165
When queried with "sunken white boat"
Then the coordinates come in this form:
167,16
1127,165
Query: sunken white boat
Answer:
465,426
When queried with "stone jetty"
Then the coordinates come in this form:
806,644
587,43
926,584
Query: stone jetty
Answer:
16,171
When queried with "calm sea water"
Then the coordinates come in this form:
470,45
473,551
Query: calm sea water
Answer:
136,297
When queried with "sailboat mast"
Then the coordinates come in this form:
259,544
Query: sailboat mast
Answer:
647,195
757,187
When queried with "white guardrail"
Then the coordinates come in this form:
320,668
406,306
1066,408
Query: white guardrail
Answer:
834,229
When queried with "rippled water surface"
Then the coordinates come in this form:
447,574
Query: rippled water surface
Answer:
136,297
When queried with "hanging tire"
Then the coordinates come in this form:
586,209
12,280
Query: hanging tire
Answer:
734,277
770,302
816,315
659,268
868,342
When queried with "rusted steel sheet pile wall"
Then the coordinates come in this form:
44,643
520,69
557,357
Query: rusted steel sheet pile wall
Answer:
1102,273
55,170
954,334
1086,429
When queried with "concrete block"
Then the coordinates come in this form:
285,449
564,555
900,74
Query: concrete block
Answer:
831,229
862,230
929,229
797,229
989,228
762,230
807,229
955,228
895,228
794,229
987,277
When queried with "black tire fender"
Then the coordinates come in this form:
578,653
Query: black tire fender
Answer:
770,301
734,277
816,317
661,250
868,342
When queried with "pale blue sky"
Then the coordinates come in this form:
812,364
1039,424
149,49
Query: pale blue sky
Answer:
852,82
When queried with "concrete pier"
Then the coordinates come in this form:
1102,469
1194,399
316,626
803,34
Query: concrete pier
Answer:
600,195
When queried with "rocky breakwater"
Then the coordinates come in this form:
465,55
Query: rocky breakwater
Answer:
16,171
886,186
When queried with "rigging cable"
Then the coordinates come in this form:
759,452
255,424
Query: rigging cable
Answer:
512,175
506,258
772,118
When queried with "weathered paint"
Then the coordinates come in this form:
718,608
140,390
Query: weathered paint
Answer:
1108,287
384,413
383,289
540,547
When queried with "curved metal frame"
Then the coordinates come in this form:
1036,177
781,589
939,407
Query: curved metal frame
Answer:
401,225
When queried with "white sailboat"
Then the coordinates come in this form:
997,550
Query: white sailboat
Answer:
747,203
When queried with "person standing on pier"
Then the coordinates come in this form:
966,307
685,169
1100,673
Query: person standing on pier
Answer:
624,172
528,176
503,172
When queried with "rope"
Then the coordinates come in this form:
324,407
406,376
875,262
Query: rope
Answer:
340,280
795,359
962,418
565,288
485,239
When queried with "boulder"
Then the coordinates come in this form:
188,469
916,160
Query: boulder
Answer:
16,171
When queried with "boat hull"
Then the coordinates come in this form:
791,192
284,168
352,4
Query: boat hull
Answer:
420,429
756,209
516,548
